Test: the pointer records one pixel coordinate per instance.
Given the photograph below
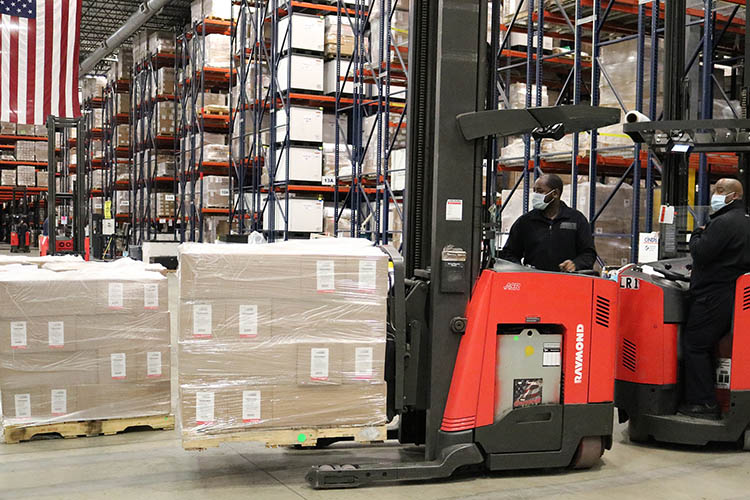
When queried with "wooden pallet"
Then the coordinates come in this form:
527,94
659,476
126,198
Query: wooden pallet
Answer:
288,437
13,434
215,109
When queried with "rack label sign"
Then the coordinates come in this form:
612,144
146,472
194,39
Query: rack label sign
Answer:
328,180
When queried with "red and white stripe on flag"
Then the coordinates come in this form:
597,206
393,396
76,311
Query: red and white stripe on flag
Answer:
39,47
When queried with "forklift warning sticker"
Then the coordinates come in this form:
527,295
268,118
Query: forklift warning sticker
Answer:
552,354
723,373
527,392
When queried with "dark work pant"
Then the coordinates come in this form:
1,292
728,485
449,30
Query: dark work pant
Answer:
709,319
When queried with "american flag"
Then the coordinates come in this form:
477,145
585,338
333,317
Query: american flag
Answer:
39,44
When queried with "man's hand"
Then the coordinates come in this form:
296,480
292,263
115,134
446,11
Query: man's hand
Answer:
568,266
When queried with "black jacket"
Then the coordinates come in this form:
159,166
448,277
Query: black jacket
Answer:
545,244
721,251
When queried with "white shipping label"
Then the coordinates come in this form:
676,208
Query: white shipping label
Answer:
151,296
168,197
115,295
251,406
454,210
249,321
204,407
56,333
202,320
118,364
326,276
363,363
18,335
723,373
368,278
23,405
319,364
59,401
153,364
223,192
552,354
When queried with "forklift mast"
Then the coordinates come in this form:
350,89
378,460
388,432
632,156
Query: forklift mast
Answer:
78,198
448,68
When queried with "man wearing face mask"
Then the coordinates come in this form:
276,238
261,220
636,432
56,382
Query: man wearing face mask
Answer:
721,254
552,236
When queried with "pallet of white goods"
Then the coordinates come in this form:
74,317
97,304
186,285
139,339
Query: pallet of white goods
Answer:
13,434
287,437
213,109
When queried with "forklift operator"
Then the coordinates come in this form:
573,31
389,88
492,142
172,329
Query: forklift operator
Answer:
721,254
552,236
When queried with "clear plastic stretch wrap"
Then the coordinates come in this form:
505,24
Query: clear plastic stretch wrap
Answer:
89,343
281,336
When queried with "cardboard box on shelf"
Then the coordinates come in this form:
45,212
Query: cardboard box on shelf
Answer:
331,406
344,78
7,128
344,47
42,178
26,175
41,151
305,124
305,216
329,128
8,177
26,150
122,139
305,164
215,9
307,33
305,73
23,129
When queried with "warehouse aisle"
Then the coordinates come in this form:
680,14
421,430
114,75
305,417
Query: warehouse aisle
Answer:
153,465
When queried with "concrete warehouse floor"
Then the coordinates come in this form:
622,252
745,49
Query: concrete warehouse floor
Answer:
153,465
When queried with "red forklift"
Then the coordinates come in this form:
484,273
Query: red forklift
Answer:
653,297
67,201
489,364
653,311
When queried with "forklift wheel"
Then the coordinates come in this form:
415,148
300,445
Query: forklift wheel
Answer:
589,452
746,444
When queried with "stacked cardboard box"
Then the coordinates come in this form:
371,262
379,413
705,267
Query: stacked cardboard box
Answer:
164,84
164,165
121,69
93,87
296,340
97,179
87,344
41,150
304,73
8,177
217,9
42,179
307,33
165,118
26,150
122,136
215,191
122,202
305,164
122,104
24,129
331,37
25,175
217,51
399,35
7,128
165,205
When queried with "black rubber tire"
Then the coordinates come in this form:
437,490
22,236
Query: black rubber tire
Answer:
634,434
589,451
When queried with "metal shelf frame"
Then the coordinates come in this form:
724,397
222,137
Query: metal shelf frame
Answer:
600,24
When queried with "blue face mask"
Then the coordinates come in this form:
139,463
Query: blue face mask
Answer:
718,201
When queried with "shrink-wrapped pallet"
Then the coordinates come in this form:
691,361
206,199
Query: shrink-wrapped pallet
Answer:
280,337
87,344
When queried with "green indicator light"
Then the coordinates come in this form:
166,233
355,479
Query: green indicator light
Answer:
515,338
301,438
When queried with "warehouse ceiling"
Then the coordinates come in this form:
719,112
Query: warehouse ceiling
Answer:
101,18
